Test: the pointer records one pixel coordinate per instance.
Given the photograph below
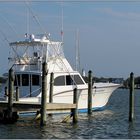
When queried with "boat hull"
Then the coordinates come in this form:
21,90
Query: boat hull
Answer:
100,97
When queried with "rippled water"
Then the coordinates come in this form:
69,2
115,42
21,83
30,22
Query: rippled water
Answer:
110,123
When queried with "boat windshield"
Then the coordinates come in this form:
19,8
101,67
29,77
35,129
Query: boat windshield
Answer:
68,80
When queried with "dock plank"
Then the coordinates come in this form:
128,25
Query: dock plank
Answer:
32,106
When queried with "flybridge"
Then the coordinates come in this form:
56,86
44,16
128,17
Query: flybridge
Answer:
32,40
33,51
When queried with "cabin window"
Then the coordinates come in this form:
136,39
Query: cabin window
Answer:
59,81
78,80
25,80
17,80
69,80
35,80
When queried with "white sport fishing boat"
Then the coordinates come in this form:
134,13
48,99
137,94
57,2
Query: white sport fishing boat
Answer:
26,59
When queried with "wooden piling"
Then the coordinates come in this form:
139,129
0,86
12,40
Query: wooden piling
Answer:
75,111
51,87
17,93
44,94
10,92
131,98
6,93
90,92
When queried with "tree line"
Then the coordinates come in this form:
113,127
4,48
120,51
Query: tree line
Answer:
124,82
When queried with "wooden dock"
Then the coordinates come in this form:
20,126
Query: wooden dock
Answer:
10,109
19,106
26,107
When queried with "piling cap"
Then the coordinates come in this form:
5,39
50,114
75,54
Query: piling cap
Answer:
131,73
90,71
11,74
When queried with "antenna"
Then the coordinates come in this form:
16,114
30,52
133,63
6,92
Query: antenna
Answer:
35,17
9,24
77,53
62,28
28,18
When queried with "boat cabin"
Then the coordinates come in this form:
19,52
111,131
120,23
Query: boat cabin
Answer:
30,83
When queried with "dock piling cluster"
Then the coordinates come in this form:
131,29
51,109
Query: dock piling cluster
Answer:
14,106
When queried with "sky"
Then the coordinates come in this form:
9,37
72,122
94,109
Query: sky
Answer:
109,31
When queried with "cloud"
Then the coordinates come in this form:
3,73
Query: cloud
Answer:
120,14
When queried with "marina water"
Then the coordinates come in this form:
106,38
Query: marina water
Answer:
111,123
